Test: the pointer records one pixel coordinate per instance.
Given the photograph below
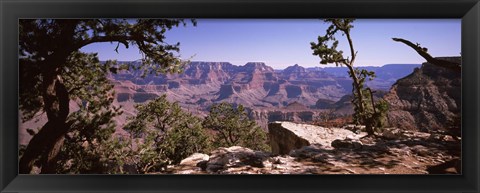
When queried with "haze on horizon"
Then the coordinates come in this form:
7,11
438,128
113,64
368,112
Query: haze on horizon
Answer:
284,42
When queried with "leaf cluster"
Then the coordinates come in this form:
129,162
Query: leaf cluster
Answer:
233,127
326,46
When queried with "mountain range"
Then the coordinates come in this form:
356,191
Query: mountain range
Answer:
254,84
294,93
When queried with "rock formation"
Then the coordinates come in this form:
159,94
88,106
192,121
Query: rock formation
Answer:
193,163
429,99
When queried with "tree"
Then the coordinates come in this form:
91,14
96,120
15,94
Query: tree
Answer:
47,46
233,127
422,51
168,134
326,49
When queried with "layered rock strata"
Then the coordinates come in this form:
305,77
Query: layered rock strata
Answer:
429,99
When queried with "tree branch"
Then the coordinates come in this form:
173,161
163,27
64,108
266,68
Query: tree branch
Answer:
423,52
115,38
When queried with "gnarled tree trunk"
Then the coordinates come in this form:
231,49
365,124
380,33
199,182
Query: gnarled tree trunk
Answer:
47,142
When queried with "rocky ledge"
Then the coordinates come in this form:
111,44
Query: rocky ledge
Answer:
429,99
287,136
319,150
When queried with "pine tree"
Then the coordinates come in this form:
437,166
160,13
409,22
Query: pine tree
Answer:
47,49
233,127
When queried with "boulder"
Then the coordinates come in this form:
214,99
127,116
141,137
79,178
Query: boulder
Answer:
194,159
236,156
286,136
191,164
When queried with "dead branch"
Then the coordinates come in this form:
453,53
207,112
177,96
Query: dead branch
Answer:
435,61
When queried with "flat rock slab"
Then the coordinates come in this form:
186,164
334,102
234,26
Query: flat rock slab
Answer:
288,136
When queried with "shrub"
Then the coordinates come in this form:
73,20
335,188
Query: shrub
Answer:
233,127
165,134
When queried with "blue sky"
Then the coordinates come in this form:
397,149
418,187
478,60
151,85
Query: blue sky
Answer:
281,43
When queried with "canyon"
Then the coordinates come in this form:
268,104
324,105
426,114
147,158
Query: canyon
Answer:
293,94
423,135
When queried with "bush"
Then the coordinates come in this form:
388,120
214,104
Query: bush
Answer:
234,128
165,134
181,142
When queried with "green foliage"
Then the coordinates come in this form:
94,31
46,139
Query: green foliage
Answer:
233,127
380,117
184,140
326,46
92,126
165,134
159,113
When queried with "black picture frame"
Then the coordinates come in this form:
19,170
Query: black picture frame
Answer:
12,10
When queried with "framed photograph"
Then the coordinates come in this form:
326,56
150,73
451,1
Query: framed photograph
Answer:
239,96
